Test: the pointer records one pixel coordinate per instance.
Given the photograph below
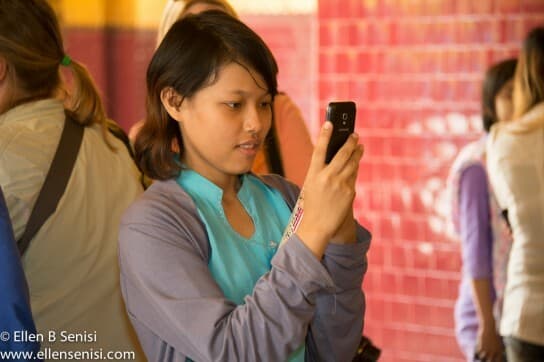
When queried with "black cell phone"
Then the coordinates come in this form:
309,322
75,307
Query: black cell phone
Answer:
342,117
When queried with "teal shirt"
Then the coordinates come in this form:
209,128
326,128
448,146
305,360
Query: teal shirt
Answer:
237,263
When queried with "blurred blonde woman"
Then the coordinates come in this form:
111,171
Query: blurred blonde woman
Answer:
289,146
71,262
516,169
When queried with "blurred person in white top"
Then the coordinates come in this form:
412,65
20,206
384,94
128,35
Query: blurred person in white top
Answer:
516,171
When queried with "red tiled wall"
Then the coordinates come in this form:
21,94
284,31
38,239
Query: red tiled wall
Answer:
414,68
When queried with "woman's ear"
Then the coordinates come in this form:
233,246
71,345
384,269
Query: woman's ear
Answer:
171,101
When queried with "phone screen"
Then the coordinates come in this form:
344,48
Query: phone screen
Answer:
342,117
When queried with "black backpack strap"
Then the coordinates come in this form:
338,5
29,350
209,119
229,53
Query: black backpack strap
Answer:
55,181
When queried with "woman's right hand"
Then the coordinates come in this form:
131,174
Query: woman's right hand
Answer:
489,346
329,191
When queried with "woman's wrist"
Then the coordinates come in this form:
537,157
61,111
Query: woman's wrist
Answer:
488,321
314,240
347,234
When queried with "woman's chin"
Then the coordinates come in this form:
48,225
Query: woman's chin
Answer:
244,170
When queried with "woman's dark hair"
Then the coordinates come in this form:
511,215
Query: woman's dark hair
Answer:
188,59
529,82
495,78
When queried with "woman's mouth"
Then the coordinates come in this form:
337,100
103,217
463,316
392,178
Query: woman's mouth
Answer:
249,148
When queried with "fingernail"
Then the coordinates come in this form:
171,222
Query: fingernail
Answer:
327,125
355,135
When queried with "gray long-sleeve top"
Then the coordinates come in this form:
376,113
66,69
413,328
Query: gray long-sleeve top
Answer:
179,311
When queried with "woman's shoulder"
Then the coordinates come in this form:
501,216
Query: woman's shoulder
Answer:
505,145
285,109
166,213
532,120
471,155
163,199
30,127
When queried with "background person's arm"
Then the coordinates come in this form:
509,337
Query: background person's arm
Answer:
477,245
295,142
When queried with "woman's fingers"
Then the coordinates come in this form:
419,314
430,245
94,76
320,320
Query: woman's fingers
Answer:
344,154
351,167
329,190
318,157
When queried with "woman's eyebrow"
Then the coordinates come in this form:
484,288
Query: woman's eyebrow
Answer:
245,93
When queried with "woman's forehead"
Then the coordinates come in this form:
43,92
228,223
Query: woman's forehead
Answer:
235,77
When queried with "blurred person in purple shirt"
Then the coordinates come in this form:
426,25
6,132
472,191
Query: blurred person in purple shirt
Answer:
482,228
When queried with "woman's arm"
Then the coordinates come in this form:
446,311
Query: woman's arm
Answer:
489,342
295,143
336,329
477,243
170,292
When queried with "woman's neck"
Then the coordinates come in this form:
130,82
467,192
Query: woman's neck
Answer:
230,188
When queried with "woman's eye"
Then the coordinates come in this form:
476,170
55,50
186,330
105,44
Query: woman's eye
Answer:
234,105
265,104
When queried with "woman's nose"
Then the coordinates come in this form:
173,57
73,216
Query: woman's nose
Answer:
253,120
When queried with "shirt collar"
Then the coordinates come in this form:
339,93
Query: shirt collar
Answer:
196,184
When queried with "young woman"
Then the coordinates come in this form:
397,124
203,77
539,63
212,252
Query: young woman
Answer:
71,262
484,235
289,151
517,174
202,273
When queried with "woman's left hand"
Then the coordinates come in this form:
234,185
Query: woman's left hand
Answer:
489,346
346,234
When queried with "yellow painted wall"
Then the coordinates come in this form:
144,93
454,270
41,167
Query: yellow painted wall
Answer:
146,14
117,13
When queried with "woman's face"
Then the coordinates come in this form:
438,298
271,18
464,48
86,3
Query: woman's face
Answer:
504,106
224,124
